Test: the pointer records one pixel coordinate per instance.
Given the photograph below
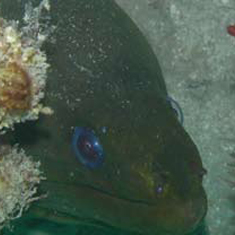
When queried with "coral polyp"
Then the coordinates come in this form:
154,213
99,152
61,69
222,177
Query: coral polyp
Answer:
15,88
23,73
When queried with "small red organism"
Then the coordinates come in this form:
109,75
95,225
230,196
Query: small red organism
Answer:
231,30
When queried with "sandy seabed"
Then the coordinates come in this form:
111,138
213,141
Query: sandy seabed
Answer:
197,57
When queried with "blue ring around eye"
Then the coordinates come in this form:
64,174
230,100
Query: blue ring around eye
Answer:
87,147
177,109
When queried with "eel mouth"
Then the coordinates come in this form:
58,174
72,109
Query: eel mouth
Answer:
85,204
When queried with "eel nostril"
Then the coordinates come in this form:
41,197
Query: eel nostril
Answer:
197,168
203,172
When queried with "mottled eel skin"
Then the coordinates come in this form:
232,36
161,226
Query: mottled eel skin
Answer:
105,80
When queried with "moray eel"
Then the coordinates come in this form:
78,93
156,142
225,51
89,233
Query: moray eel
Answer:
114,152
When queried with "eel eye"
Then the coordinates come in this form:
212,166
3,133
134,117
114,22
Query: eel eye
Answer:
176,108
87,147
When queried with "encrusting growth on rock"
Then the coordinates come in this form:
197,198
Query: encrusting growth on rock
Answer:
23,70
23,74
19,178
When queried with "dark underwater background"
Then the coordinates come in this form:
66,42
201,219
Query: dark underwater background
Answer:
197,57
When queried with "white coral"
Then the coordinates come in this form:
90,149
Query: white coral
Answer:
19,178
